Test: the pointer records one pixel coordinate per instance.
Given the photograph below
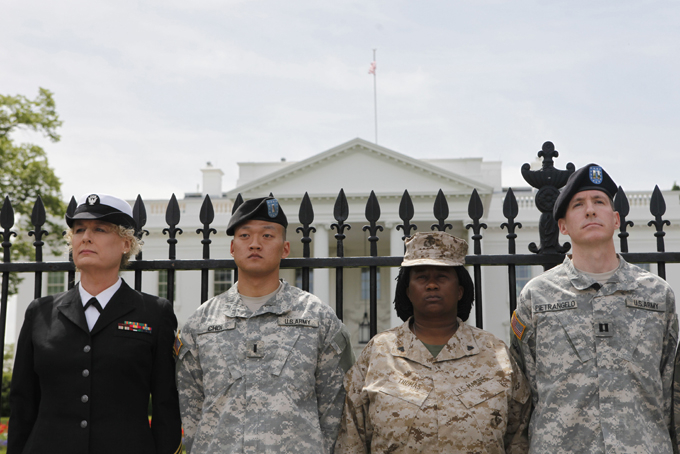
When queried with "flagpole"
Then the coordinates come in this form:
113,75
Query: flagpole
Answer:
375,100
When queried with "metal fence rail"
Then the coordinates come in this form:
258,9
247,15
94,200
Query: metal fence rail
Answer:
547,253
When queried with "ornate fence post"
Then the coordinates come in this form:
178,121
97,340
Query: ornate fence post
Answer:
441,212
372,216
548,181
238,201
510,211
623,208
38,218
6,222
139,215
476,211
172,215
206,216
406,212
340,213
657,207
306,217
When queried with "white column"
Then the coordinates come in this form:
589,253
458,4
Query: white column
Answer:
11,335
396,249
321,275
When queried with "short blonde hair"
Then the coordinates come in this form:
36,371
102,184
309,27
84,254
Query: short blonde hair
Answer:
123,232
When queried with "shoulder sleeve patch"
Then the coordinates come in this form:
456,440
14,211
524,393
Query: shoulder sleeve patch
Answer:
178,344
674,328
343,346
518,327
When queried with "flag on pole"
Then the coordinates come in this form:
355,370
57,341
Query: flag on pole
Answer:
371,70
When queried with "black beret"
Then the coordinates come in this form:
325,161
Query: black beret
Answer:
260,209
103,207
588,178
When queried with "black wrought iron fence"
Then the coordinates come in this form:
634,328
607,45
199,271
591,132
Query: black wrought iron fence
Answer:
547,253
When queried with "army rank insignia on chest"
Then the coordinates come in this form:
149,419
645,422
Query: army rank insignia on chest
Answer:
135,326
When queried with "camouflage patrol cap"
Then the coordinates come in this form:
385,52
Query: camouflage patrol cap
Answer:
587,178
435,249
260,209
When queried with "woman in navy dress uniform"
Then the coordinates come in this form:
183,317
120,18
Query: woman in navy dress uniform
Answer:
88,359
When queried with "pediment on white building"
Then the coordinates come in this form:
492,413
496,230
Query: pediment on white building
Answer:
359,167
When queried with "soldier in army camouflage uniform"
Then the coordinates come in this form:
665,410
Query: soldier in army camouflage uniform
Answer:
260,367
596,337
435,384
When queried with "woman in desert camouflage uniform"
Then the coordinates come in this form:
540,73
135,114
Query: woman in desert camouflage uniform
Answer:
435,384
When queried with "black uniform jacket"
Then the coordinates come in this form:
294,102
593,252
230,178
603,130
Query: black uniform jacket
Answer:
80,392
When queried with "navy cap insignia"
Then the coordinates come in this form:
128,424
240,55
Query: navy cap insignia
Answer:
595,174
93,199
272,208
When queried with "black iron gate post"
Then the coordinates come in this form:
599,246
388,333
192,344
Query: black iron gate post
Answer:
172,216
510,211
548,180
340,213
476,211
372,216
139,215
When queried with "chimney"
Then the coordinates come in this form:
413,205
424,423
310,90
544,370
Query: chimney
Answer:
212,181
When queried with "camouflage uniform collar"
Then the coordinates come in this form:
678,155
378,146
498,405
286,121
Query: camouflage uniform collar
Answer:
461,344
278,305
622,279
407,345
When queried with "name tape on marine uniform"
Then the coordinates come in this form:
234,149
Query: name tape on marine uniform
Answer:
472,384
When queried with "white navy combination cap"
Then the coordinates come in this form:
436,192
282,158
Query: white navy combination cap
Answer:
103,207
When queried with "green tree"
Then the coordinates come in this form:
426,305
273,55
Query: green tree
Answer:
675,186
25,173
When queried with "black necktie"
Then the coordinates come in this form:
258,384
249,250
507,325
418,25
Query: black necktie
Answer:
94,303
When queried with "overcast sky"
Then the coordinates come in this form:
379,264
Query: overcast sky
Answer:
150,90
